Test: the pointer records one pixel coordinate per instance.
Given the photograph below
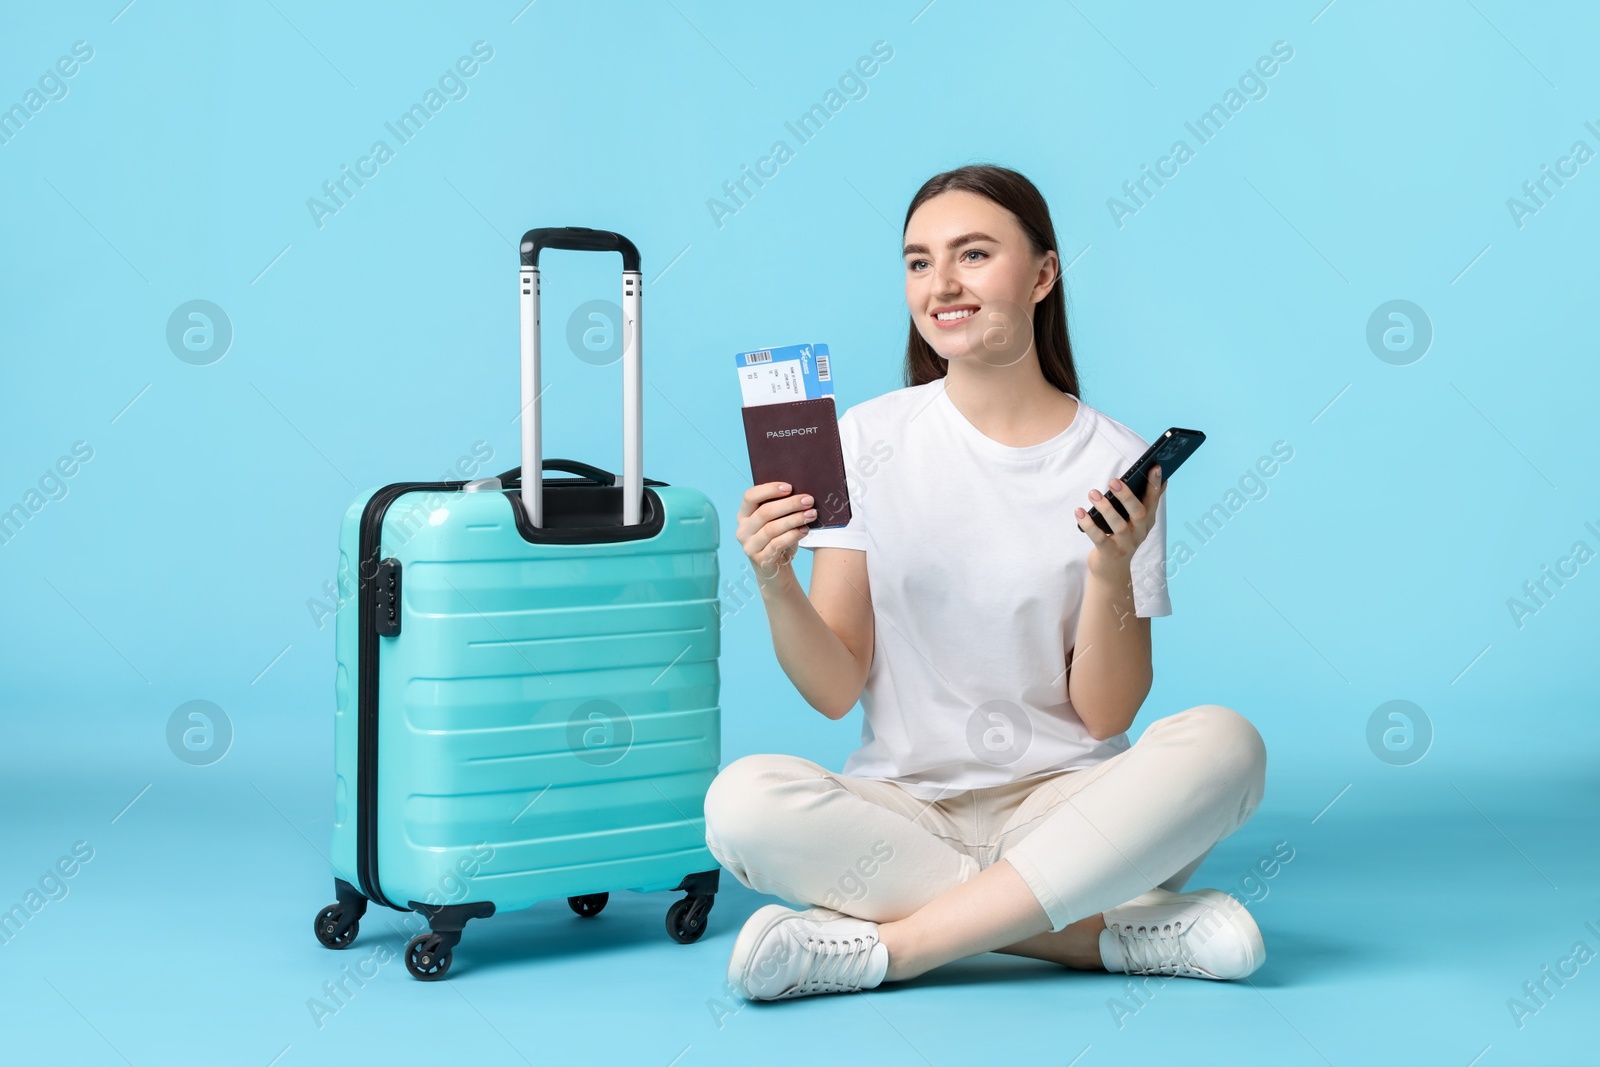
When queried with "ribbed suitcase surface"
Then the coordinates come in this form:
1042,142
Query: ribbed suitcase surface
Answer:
557,703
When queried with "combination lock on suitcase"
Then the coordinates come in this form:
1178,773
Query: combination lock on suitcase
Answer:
527,685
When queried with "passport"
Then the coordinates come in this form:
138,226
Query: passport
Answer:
797,441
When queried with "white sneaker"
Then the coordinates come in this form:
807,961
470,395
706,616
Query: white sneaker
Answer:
1203,934
781,953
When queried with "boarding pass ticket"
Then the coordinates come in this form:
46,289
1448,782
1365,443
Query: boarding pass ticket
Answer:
778,375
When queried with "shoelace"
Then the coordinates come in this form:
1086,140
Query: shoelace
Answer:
1149,951
834,964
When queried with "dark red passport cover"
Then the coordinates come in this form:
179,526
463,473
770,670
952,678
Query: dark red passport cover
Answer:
797,442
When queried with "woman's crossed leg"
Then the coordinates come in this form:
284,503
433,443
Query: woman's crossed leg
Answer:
932,882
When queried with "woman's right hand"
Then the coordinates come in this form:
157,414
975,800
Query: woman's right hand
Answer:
771,524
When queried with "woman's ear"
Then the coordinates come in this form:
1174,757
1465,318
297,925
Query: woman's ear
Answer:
1049,275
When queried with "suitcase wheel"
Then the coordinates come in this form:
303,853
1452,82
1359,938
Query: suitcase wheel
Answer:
590,905
428,957
337,925
686,919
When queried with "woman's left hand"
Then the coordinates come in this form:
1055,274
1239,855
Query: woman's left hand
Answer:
1112,555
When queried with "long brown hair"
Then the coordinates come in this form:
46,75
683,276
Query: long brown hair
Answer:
1022,198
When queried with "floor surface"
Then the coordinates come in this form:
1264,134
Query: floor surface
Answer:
1417,903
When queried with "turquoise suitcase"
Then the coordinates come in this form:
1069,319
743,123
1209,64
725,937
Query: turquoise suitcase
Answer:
527,685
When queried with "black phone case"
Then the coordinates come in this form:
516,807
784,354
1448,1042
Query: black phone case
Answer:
1169,451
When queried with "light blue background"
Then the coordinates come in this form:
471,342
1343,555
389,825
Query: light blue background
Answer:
382,345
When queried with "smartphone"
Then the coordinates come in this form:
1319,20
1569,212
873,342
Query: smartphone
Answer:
1169,451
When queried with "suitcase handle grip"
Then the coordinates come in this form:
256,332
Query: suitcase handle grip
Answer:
579,239
571,466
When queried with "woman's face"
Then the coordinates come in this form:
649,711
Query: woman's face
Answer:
967,258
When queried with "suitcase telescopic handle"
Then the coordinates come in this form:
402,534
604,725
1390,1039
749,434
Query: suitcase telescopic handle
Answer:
582,239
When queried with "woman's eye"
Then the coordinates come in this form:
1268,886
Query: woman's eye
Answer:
914,264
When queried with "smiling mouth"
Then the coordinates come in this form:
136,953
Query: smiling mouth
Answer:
955,316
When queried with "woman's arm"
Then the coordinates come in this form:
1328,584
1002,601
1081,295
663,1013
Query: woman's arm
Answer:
825,642
1112,655
1115,673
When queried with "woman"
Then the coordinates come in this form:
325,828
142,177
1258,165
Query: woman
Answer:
995,803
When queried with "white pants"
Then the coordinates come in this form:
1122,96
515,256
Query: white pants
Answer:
1083,840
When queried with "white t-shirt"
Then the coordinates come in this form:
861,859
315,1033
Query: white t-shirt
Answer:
977,571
